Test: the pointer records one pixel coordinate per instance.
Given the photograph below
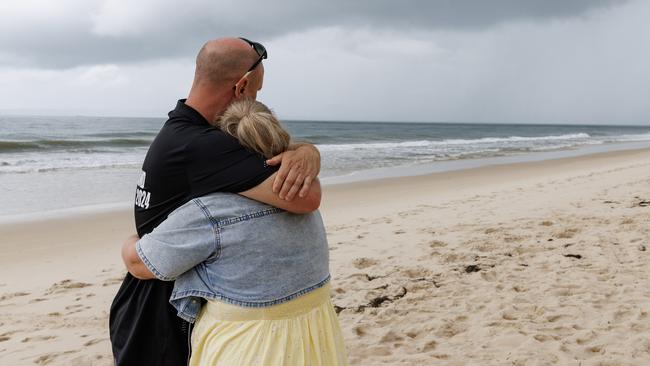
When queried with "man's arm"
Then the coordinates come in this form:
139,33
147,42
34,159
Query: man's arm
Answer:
263,192
299,167
133,263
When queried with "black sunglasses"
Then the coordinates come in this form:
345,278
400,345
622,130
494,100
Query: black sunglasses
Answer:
261,51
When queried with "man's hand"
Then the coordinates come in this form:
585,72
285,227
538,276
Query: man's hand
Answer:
299,166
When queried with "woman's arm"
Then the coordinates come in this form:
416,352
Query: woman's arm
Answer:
263,192
133,263
185,239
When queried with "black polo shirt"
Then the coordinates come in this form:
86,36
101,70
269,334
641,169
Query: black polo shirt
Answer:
188,158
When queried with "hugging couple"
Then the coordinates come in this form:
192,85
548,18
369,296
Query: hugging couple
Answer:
230,263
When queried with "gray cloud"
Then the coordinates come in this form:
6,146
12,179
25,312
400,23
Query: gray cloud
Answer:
118,31
514,61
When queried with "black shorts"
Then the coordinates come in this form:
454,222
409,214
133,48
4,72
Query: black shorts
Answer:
144,327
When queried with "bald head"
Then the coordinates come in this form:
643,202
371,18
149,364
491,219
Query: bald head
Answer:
221,76
223,61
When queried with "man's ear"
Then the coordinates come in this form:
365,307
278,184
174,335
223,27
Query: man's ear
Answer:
240,87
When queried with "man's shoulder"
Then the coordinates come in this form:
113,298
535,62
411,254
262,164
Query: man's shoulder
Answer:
211,139
183,131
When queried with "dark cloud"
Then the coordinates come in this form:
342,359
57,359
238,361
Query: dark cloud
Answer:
117,31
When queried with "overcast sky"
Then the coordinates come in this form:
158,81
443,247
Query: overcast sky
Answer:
512,61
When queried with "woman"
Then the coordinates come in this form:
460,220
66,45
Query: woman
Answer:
252,278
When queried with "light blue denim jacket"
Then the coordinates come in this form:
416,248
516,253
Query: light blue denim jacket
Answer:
226,247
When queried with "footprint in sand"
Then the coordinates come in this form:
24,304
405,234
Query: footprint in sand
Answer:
49,357
519,288
596,349
567,234
627,221
412,333
362,235
621,315
4,338
113,281
429,346
391,337
360,330
378,351
361,263
555,318
37,339
65,286
74,309
585,338
12,295
485,246
437,244
543,337
93,341
426,230
404,214
383,220
11,332
450,329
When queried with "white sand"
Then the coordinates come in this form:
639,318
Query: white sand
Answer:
527,264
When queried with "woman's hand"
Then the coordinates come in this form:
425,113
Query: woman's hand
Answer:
299,166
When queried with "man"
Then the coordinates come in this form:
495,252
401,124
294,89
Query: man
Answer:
189,158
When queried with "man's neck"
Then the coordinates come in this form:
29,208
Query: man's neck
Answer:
208,108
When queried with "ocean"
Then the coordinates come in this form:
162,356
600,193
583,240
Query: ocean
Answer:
54,163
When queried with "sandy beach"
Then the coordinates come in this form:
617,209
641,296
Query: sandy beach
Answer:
539,263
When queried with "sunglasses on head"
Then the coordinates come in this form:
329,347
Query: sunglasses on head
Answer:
261,51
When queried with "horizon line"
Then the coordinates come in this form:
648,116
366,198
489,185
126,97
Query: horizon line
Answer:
6,113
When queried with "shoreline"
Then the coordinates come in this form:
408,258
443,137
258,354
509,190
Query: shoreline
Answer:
464,164
32,196
339,183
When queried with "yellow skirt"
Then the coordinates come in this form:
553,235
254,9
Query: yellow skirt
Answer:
303,331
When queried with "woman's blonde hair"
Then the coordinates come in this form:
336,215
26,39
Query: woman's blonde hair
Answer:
255,126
